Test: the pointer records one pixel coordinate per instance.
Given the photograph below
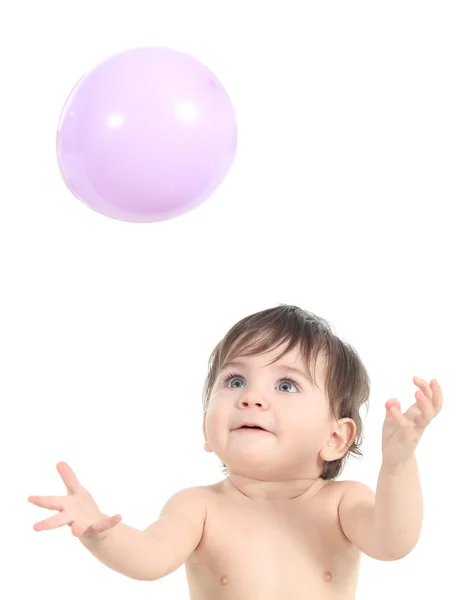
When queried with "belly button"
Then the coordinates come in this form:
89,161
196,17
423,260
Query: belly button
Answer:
327,576
224,580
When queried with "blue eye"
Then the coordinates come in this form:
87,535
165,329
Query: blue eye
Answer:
232,378
286,382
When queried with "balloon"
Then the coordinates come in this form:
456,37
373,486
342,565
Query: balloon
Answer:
147,135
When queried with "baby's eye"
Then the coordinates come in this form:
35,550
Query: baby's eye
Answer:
285,383
234,382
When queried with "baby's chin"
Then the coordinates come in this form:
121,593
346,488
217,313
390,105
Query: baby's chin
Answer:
267,461
261,466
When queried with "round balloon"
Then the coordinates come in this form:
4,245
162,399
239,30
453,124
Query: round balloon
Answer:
147,135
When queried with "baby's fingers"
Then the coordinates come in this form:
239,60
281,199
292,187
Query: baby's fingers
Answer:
107,523
51,523
51,502
96,528
114,520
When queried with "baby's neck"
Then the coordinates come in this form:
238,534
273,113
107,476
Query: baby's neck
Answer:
269,492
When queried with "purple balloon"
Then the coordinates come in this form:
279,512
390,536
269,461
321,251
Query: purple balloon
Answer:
147,135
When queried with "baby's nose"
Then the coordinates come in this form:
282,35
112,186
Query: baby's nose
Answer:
246,403
252,399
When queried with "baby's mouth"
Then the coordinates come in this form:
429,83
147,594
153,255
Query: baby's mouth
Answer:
251,427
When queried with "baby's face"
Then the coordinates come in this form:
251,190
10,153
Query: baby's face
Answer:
280,398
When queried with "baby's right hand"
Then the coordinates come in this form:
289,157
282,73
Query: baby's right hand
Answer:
78,509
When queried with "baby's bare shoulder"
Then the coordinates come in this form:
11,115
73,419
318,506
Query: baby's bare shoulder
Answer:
352,487
347,484
334,488
333,492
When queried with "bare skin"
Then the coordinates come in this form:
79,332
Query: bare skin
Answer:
252,536
273,533
275,544
290,549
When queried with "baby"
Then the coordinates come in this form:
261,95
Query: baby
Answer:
282,405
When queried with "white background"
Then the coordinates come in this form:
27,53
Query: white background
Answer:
344,199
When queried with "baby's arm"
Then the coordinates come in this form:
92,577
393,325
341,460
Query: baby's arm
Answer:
388,527
162,547
179,529
385,526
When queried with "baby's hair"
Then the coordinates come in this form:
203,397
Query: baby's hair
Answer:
346,379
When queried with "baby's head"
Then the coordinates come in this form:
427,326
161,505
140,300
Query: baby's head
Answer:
285,370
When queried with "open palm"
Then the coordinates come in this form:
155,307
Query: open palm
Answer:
78,509
402,432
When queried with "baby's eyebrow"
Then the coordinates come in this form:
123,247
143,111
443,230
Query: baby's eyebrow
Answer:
295,370
279,367
233,365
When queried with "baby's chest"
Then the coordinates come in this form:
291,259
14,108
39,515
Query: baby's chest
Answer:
275,548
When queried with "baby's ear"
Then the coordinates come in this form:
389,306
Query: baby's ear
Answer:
341,438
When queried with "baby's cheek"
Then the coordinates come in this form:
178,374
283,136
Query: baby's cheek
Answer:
216,423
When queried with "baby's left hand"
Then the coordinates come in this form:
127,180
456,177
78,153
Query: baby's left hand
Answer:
402,432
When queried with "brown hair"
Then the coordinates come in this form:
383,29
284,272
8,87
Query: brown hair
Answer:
346,379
